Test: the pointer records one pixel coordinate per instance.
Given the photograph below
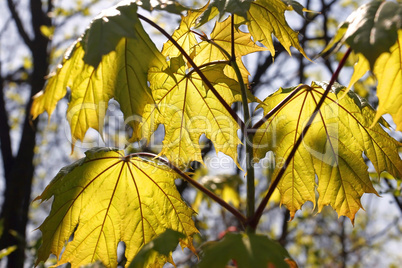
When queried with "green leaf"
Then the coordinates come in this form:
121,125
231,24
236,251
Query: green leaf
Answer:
157,250
187,109
170,6
388,71
221,7
107,29
248,250
106,198
372,29
264,18
331,150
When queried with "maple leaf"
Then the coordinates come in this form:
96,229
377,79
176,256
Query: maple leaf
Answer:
118,75
184,35
187,109
169,6
156,252
90,92
220,7
221,37
247,250
388,70
372,29
331,150
106,198
266,18
107,29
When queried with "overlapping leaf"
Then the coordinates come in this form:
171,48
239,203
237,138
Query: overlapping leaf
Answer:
221,7
106,198
332,149
184,35
247,250
221,35
107,29
170,6
267,18
121,74
264,19
188,109
372,29
388,71
156,252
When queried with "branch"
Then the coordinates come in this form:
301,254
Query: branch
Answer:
16,76
196,184
18,22
38,18
5,139
397,201
254,221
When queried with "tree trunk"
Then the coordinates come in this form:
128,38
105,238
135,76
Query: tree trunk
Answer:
19,175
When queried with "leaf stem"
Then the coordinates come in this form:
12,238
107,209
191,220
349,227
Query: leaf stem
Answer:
254,221
248,135
196,184
196,68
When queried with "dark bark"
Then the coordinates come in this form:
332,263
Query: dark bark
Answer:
20,167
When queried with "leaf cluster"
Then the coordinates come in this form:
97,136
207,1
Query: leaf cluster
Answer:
318,133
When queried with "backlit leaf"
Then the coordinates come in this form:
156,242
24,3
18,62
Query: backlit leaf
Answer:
158,250
267,18
388,70
187,109
183,35
170,6
221,7
264,18
248,250
122,74
221,35
372,29
331,150
107,29
106,198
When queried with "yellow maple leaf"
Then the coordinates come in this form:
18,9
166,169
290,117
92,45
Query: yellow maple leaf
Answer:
106,198
267,18
118,75
388,71
331,150
221,35
187,109
184,35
